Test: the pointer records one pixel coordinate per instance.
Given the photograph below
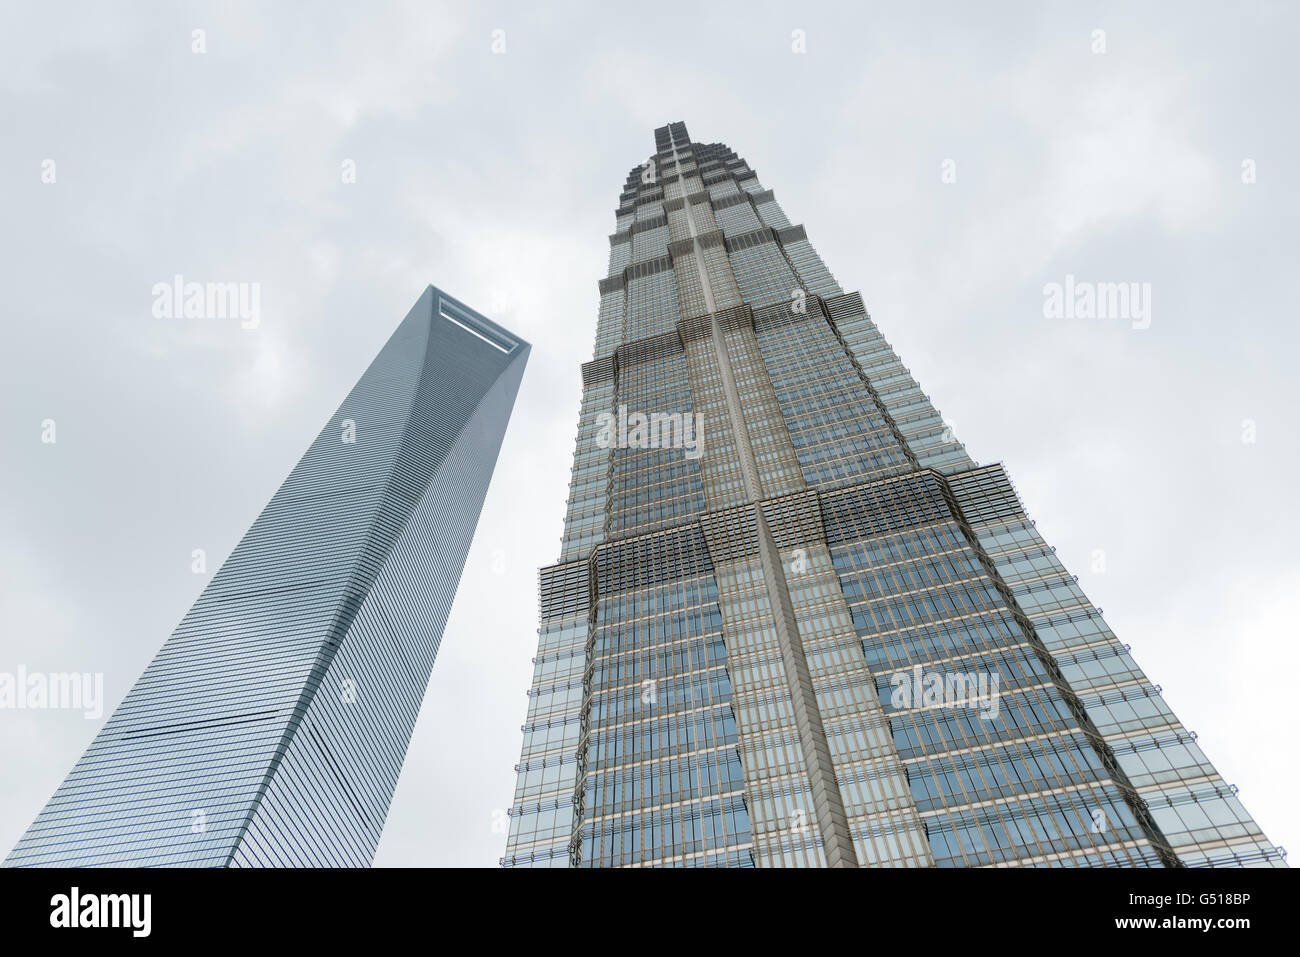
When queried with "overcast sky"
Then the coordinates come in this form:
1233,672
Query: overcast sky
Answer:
495,176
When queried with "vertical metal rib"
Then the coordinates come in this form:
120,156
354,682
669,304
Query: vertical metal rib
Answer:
828,803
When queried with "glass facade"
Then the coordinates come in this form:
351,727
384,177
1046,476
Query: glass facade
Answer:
824,636
271,728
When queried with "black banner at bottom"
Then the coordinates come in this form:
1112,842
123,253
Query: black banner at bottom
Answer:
335,906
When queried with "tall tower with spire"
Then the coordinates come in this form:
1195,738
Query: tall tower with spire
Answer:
792,622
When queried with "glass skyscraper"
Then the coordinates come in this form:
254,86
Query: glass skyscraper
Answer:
792,622
271,727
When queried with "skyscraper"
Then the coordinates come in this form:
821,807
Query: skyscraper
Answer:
271,727
792,622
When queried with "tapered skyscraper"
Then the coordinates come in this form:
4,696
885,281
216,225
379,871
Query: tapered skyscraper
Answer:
793,623
271,727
